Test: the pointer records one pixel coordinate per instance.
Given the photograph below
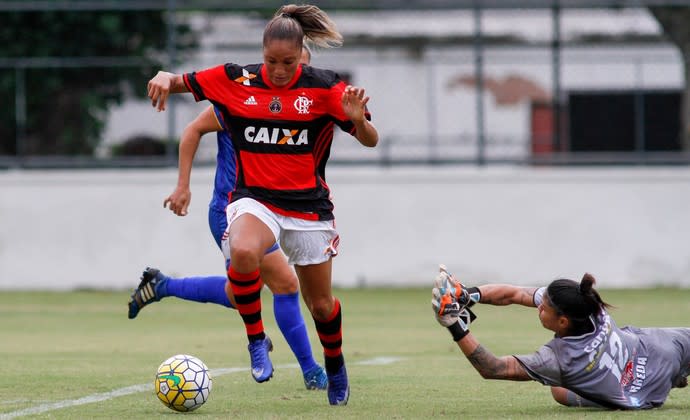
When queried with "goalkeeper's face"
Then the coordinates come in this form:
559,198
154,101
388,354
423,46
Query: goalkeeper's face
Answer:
551,319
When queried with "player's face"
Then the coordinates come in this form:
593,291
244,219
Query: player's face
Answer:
548,316
281,58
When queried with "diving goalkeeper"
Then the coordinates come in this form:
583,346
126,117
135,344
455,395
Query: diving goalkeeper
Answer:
590,362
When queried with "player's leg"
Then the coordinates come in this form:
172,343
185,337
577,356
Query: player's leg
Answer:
311,252
206,289
202,289
560,395
247,239
282,281
680,355
155,286
315,281
570,399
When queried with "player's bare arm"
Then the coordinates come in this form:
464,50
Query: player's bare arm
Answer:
354,105
505,294
162,85
181,197
490,366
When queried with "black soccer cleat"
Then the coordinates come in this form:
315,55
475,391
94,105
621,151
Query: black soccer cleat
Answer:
147,292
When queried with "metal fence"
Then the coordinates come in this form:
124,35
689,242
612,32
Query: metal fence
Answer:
421,119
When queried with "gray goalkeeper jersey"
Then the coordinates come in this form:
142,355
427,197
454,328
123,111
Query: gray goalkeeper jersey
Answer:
615,367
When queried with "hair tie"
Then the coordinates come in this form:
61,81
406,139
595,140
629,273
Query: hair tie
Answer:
286,15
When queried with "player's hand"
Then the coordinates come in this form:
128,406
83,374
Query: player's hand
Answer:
446,308
450,314
354,102
465,296
449,300
178,201
158,89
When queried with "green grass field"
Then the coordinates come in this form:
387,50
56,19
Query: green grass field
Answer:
77,356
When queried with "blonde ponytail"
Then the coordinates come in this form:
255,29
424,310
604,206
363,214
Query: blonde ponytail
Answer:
296,22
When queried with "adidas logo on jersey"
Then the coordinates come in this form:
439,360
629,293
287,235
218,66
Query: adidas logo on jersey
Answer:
250,101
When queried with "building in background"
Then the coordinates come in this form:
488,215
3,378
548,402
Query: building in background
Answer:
419,68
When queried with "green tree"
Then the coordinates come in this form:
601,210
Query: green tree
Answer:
675,22
66,105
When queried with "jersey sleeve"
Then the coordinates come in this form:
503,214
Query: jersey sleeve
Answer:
539,296
542,366
219,118
210,84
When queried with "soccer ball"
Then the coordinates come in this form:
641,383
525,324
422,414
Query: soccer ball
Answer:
183,383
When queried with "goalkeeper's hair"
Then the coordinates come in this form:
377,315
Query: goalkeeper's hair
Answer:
577,301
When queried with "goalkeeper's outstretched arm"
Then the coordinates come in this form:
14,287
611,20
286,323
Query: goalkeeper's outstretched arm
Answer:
506,294
490,366
450,301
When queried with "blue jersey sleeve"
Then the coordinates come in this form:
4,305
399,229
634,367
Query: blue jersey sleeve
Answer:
219,118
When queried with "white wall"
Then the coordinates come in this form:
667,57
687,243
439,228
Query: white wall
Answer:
627,226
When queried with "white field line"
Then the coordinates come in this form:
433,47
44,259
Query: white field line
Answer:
128,390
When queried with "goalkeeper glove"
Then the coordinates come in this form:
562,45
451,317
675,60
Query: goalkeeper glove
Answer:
450,314
465,296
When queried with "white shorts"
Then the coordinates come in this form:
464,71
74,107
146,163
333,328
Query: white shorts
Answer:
305,242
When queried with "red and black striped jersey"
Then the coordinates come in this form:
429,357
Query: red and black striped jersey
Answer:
282,136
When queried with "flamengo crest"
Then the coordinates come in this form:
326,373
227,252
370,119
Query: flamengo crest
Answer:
302,104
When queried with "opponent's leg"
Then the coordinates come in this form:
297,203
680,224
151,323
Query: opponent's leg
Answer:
155,286
151,289
210,289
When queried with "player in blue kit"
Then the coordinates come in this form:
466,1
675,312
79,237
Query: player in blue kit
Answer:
590,362
278,276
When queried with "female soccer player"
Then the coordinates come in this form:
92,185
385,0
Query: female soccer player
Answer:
275,272
281,118
590,362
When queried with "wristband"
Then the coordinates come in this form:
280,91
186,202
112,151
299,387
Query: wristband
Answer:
457,332
475,295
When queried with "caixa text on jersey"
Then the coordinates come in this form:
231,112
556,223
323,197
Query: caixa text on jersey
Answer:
276,135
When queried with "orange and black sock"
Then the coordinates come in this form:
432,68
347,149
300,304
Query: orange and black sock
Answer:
247,290
331,337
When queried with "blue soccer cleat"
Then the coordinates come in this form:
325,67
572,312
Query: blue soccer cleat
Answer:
148,291
262,368
338,387
315,378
